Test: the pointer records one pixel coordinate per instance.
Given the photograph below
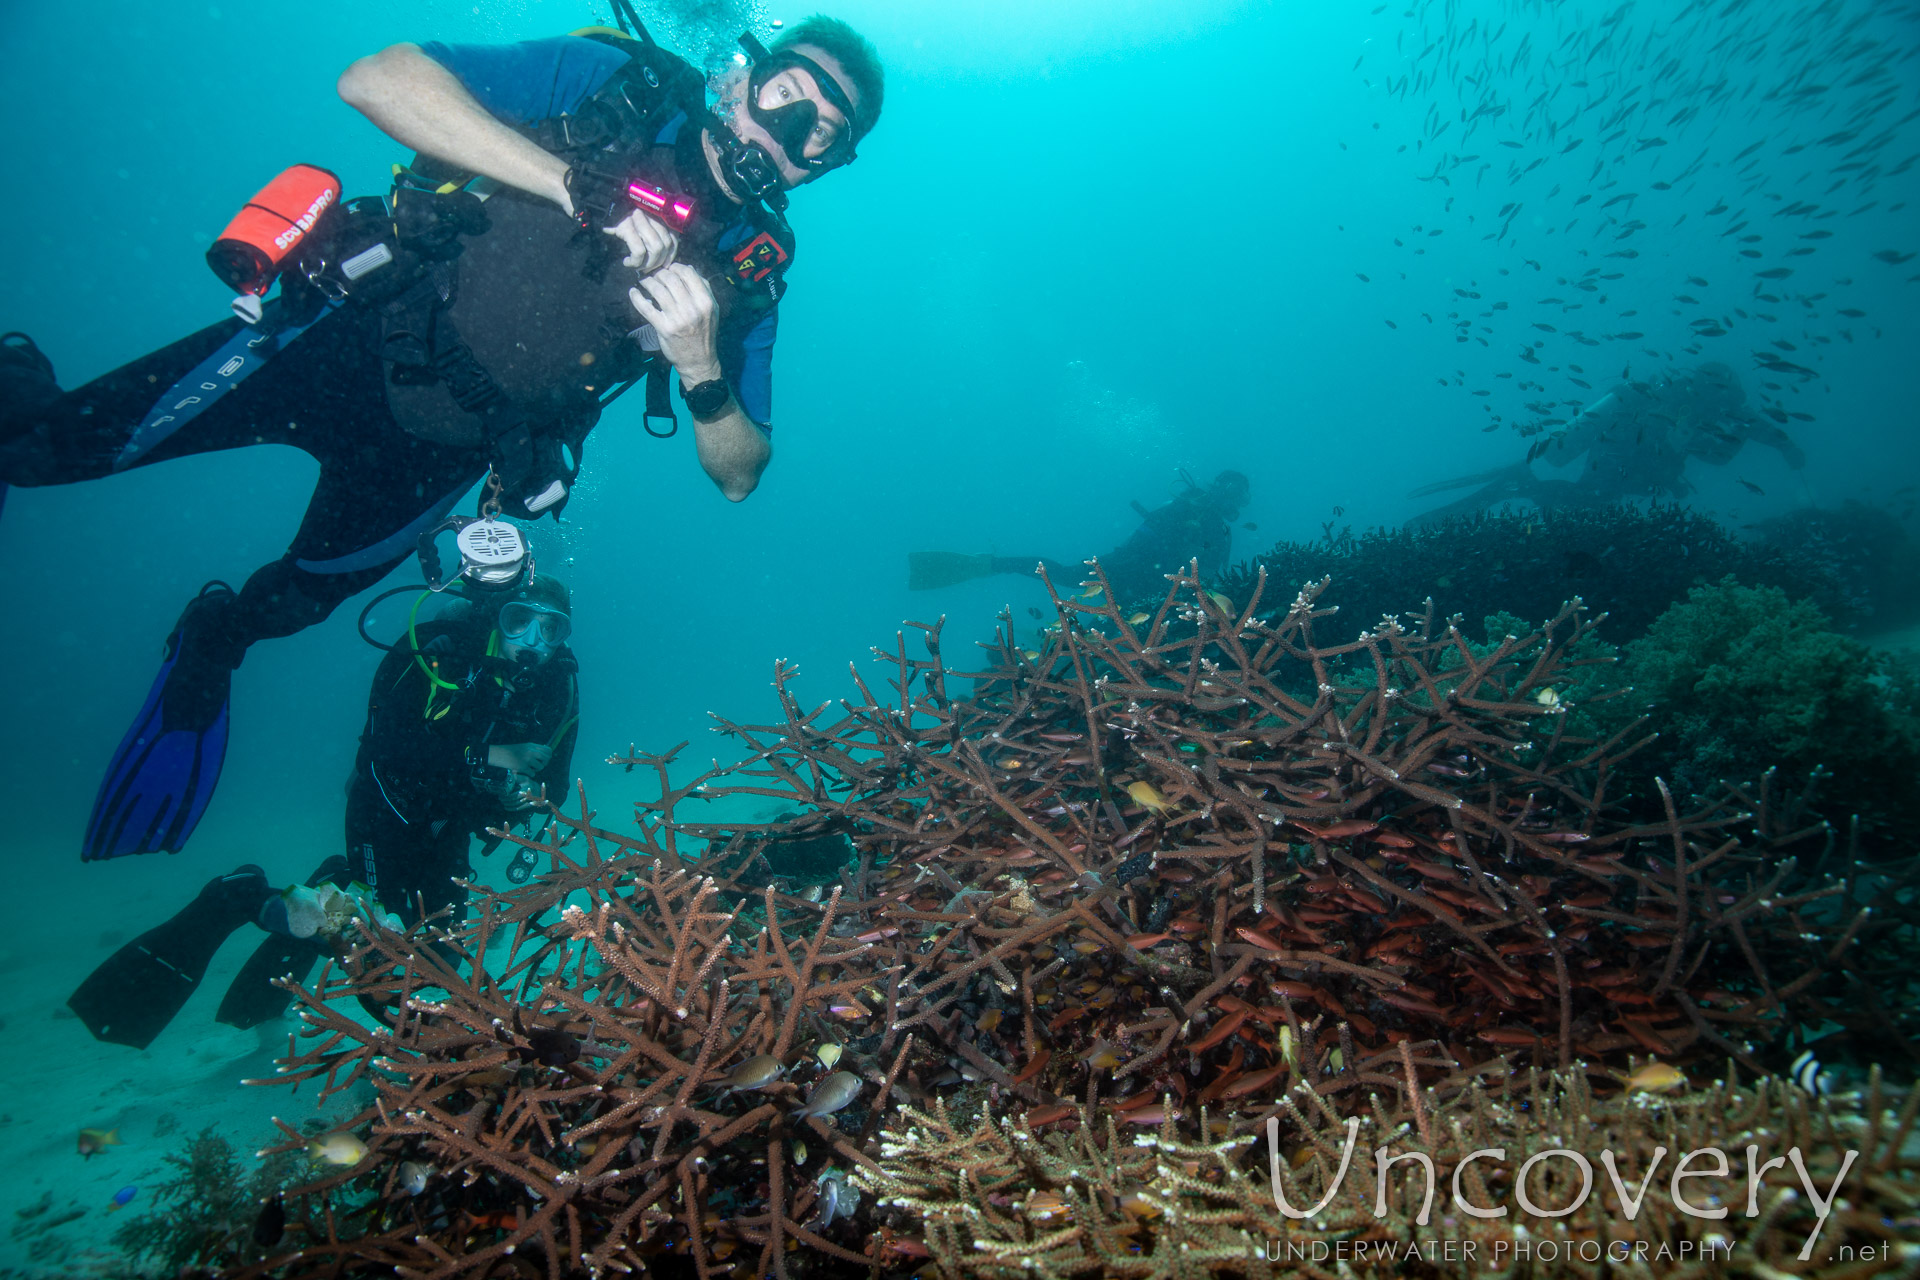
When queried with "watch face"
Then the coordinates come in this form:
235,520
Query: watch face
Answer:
706,399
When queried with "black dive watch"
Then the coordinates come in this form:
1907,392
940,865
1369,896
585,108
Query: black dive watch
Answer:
707,399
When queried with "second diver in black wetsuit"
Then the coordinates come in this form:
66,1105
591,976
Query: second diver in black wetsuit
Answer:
471,719
1196,526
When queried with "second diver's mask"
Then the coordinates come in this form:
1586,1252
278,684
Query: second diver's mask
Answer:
750,169
534,626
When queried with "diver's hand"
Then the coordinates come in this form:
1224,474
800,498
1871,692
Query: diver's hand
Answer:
650,244
520,757
519,793
679,305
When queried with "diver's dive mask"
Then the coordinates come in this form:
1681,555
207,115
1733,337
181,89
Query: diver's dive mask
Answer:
533,625
753,171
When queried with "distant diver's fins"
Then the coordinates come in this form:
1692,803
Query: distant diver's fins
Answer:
252,998
164,771
1478,477
132,997
927,570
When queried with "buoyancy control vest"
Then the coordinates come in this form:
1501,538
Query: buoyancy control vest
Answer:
520,331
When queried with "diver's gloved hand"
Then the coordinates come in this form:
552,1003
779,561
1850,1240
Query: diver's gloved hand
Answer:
520,757
650,243
677,301
520,792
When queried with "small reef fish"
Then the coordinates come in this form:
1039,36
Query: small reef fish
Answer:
1655,1077
828,1054
1102,1056
1808,1073
1147,797
271,1224
752,1075
413,1177
799,1151
337,1148
1045,1204
122,1197
987,1022
1135,620
94,1141
830,1095
1221,603
837,1199
1548,699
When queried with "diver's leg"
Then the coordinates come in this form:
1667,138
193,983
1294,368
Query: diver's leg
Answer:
133,996
225,387
379,489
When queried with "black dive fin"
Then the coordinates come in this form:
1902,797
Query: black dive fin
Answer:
252,998
132,997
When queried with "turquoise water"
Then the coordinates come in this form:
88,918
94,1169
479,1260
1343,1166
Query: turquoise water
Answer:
1088,246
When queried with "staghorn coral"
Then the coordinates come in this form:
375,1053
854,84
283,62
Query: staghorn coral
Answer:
563,1101
1173,861
1001,1199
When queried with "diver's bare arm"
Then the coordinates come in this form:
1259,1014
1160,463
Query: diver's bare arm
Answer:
733,449
420,104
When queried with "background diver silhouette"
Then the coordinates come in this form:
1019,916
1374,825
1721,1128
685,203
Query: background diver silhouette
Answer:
1636,441
1196,525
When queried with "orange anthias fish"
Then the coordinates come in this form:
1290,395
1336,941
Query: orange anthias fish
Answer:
94,1141
1147,797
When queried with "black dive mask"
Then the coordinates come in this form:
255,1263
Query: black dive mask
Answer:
791,125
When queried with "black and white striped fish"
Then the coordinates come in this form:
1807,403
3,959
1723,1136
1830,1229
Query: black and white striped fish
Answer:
1807,1072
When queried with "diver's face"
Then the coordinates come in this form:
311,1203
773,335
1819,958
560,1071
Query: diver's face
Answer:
791,86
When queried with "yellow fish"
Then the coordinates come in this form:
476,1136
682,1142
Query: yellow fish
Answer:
1221,603
1147,797
1136,619
94,1141
1288,1054
337,1148
828,1054
1656,1077
1090,592
989,1020
1547,698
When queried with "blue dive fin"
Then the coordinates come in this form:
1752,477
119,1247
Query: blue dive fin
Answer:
165,769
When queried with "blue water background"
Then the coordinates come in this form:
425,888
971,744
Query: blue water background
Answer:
1089,244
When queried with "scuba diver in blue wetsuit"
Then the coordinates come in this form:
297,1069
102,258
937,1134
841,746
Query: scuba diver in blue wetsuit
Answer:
471,719
628,231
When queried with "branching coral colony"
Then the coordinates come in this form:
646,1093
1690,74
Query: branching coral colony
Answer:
1170,877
